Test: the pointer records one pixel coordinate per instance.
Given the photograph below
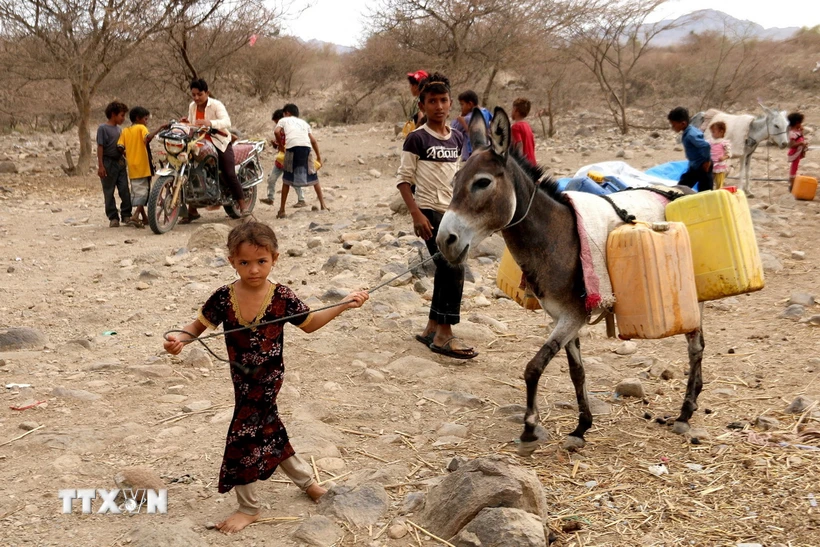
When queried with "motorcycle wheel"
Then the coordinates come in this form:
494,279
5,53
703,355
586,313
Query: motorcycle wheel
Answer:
161,217
250,200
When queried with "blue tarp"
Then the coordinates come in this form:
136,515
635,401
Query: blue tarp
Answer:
670,170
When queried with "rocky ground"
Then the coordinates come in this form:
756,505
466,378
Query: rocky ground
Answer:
379,414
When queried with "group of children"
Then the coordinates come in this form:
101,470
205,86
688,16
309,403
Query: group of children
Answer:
122,155
709,161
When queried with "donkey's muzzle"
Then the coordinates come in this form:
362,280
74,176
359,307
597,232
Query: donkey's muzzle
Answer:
453,239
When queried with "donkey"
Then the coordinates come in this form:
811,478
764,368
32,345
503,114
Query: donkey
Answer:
496,190
746,132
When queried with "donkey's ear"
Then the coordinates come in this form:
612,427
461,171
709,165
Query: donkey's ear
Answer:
477,130
500,132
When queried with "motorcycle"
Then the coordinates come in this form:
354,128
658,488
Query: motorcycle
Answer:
192,177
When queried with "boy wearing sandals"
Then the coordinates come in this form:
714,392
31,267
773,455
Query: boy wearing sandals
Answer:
134,144
429,161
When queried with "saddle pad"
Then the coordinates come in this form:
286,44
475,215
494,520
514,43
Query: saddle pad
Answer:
595,219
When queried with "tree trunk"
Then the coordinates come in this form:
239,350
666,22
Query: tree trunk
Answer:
82,100
485,97
622,108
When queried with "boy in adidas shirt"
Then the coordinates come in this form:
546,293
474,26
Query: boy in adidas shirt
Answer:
429,161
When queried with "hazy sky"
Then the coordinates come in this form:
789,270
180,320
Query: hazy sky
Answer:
342,21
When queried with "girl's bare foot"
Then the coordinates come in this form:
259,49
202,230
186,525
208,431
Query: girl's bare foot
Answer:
315,492
236,522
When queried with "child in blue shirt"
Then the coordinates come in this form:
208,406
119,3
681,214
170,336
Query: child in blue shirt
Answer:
698,151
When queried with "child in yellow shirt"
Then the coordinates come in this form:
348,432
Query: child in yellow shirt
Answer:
134,142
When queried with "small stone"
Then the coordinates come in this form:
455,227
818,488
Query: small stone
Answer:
197,406
767,423
770,262
793,312
28,426
142,286
373,375
375,173
126,263
138,477
452,430
630,387
627,347
296,252
315,242
88,247
800,404
10,269
397,531
412,502
798,255
802,299
197,358
80,394
481,301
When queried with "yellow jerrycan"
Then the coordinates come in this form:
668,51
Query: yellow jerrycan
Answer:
724,247
650,267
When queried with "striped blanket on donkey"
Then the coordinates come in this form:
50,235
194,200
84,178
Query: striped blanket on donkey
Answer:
596,218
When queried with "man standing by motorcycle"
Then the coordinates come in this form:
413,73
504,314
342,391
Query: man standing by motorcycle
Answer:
207,112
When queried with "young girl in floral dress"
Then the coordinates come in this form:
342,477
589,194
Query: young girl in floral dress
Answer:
257,442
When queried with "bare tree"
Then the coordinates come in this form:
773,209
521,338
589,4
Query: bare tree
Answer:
206,35
85,41
611,46
472,39
274,66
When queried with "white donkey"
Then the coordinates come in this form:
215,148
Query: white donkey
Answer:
745,132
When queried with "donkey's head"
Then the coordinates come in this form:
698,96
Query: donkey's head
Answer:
777,126
484,199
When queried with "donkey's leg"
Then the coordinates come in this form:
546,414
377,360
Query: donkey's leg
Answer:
695,383
566,330
746,167
575,440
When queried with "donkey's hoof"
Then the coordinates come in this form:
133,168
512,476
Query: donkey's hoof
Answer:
680,428
526,448
572,443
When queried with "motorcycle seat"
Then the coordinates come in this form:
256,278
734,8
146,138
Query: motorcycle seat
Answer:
241,152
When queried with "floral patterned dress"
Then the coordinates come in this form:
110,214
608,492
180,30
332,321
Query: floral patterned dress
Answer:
257,441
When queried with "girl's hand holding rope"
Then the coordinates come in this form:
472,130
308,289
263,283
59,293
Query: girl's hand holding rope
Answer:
174,344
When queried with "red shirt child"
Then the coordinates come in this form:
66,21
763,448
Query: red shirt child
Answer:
522,136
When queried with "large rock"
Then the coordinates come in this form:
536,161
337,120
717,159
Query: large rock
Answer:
361,506
318,531
18,338
398,206
501,527
158,533
492,247
480,483
209,237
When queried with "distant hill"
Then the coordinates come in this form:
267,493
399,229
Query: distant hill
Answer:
319,44
709,20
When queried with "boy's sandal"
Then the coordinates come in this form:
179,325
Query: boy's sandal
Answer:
447,350
426,340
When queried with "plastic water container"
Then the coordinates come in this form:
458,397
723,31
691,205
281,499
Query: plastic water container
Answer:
586,184
724,248
509,280
804,187
650,267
